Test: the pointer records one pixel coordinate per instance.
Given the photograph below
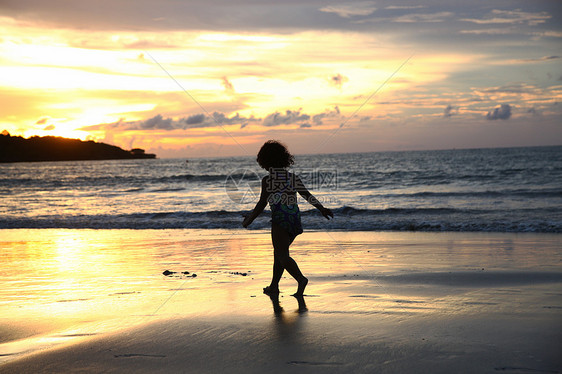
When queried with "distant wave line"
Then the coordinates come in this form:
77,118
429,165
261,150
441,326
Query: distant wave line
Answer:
347,218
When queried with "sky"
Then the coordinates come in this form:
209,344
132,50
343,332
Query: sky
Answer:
218,78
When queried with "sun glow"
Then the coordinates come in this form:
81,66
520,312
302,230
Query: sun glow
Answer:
255,75
120,84
61,131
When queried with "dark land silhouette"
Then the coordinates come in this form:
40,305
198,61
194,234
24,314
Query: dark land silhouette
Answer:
55,148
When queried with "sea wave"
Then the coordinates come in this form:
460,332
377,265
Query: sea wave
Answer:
109,181
503,190
528,193
346,219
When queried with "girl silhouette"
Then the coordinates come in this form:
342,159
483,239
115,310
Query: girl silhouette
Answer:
279,189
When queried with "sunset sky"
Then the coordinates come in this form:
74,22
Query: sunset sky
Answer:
217,78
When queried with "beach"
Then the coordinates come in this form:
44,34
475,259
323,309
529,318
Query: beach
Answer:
163,163
78,300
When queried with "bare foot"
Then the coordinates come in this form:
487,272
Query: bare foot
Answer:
271,291
302,285
302,304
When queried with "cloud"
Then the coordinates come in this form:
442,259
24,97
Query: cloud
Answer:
550,34
42,121
159,122
516,61
338,80
515,92
517,88
424,17
290,117
140,40
410,18
519,31
173,15
496,31
156,122
217,119
511,17
318,118
195,119
450,111
394,7
143,44
544,58
347,11
503,112
228,87
49,128
191,122
198,121
222,119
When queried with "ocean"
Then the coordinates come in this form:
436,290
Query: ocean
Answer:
473,190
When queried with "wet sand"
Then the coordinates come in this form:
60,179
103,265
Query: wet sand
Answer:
97,301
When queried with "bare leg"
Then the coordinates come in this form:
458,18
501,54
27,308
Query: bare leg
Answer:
278,270
281,242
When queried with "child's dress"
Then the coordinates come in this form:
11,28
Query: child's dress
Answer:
284,213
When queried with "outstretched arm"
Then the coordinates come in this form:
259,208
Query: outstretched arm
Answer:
305,193
260,206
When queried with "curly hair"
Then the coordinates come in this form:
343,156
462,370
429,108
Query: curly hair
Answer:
274,154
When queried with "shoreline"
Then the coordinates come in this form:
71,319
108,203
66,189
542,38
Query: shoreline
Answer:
382,301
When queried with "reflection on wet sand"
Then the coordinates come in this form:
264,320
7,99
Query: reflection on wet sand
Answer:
76,285
280,312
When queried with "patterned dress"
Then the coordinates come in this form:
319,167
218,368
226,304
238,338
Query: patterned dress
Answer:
286,213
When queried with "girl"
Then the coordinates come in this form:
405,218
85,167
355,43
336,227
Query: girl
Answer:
279,188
